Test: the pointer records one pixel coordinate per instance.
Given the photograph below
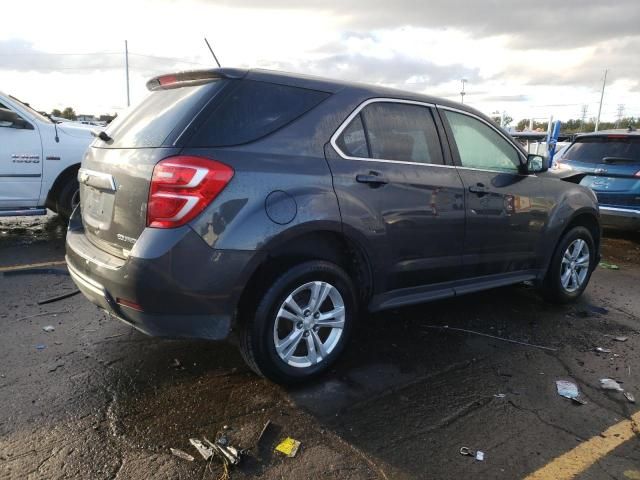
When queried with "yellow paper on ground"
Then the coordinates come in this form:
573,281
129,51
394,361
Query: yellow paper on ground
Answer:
288,446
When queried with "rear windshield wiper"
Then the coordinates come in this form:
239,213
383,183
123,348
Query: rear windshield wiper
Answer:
620,160
101,134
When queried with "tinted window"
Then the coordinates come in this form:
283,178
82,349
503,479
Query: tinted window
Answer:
594,149
253,110
353,142
401,132
150,123
480,146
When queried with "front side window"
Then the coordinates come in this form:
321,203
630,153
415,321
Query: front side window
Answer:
480,146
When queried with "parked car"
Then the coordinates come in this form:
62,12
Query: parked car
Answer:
608,162
39,161
271,207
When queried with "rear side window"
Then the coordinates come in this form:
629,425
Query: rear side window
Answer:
480,146
394,131
252,110
150,123
594,149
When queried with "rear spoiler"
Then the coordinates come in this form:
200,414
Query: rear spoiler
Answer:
193,77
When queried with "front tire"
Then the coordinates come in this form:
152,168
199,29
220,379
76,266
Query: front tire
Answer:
301,323
68,198
571,267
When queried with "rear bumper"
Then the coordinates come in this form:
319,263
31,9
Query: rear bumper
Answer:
182,287
616,217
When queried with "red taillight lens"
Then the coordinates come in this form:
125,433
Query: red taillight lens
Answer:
181,187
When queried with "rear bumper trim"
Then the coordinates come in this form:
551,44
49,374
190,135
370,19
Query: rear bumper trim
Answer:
85,282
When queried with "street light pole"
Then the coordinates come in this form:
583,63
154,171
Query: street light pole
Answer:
462,92
604,82
126,67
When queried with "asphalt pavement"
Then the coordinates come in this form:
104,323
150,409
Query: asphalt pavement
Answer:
94,399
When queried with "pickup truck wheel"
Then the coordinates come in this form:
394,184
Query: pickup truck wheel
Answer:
571,267
68,198
301,323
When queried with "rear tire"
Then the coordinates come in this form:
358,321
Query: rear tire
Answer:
571,267
301,323
68,198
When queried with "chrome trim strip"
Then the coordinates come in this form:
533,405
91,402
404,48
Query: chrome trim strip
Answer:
102,180
357,110
627,212
85,281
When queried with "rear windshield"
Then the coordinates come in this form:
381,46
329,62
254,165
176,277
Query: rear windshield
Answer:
252,110
594,149
151,122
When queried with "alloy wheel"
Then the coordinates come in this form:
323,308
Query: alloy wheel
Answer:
575,265
309,324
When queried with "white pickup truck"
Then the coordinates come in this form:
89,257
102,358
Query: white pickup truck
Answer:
39,161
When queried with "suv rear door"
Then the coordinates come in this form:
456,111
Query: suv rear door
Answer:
396,192
506,211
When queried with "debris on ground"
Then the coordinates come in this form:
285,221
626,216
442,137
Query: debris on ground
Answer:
41,314
58,297
264,430
446,327
596,309
629,396
610,384
602,350
568,389
499,395
41,346
478,455
609,266
620,339
175,363
49,328
203,450
288,446
229,455
183,455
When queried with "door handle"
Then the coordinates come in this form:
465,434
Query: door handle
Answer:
373,179
479,188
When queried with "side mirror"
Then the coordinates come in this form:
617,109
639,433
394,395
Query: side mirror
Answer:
537,163
9,118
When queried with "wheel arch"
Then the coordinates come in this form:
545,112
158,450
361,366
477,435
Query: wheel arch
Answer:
324,244
54,192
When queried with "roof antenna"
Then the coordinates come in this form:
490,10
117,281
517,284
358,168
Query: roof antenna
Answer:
211,50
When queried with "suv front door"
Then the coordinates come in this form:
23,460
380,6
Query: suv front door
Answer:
396,192
506,209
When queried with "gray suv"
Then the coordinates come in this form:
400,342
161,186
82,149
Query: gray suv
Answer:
270,208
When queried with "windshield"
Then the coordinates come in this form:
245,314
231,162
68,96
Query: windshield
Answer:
594,149
37,114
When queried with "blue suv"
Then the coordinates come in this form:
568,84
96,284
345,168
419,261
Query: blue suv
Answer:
611,162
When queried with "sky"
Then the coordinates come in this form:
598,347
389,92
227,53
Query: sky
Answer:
528,59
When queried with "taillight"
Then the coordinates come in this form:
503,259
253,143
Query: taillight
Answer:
181,187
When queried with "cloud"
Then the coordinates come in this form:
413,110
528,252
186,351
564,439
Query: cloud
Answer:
20,55
549,24
505,98
397,70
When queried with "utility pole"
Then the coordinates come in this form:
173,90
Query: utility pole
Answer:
604,83
583,117
126,67
620,114
462,92
211,50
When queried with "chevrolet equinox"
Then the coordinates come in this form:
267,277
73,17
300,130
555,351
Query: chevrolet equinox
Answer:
269,208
